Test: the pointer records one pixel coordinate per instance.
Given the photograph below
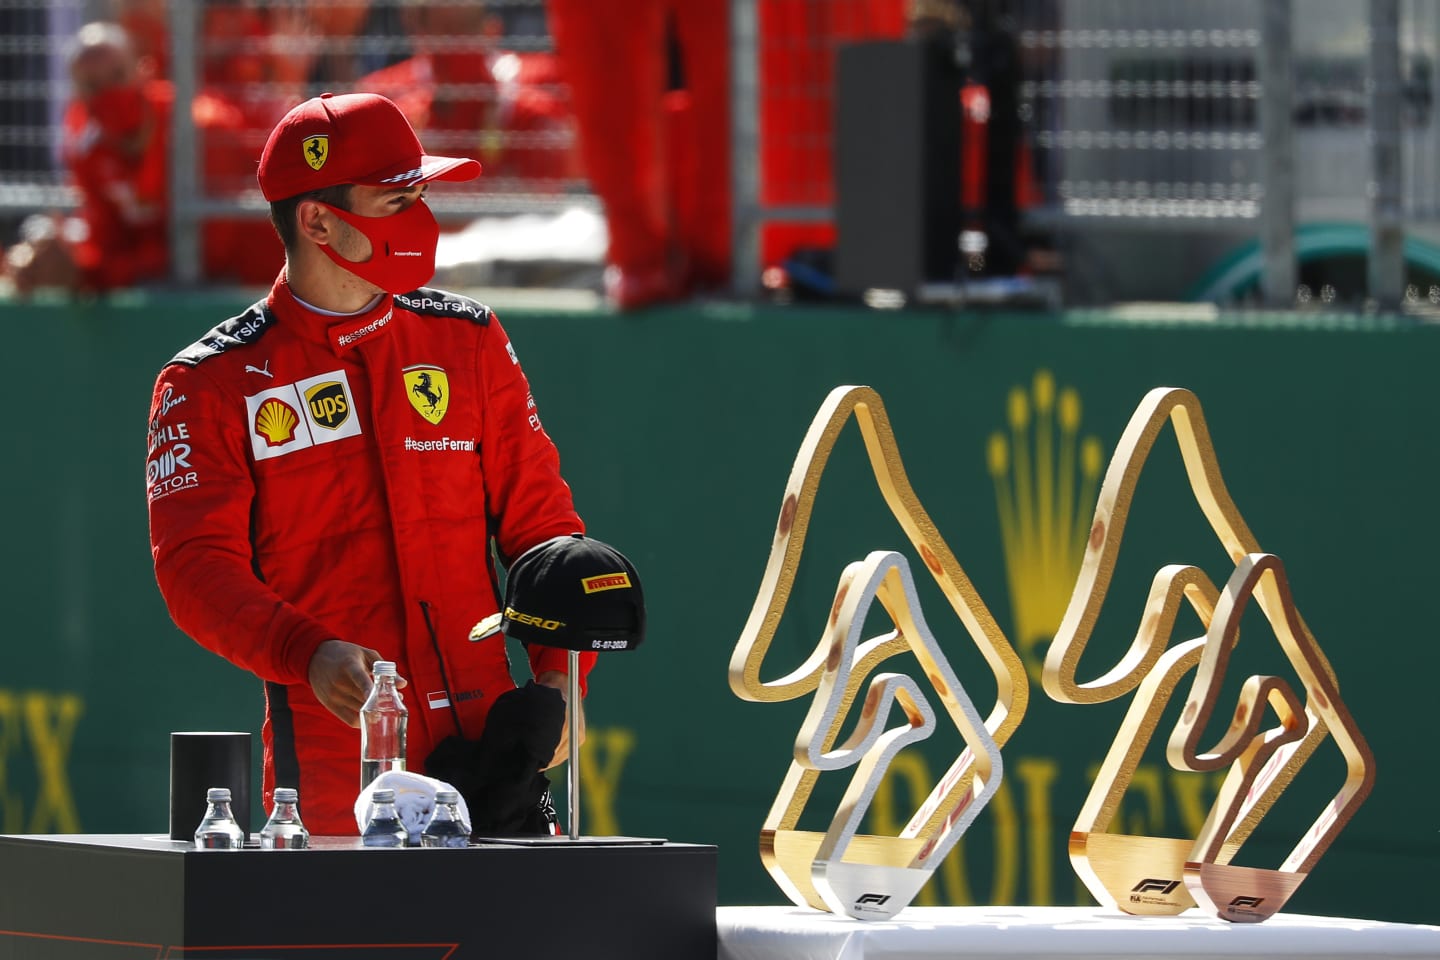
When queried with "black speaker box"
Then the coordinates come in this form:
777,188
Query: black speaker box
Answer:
897,165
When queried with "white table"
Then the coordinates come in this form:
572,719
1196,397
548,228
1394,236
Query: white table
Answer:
980,933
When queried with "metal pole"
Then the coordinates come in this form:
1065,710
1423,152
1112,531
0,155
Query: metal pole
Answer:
1277,213
1386,273
572,774
185,253
745,265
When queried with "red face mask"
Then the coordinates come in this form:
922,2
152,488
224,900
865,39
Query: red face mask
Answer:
402,247
118,110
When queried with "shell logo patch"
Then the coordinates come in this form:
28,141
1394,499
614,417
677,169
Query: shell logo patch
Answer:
317,151
275,421
429,391
302,414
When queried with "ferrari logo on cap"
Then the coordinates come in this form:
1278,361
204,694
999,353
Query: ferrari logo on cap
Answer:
429,391
317,151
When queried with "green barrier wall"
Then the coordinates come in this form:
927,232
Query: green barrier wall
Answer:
677,430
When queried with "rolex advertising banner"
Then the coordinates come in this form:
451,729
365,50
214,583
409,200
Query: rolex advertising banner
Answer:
678,431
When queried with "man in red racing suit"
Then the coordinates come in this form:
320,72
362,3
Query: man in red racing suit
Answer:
324,486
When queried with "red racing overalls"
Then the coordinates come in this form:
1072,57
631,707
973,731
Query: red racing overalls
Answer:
313,477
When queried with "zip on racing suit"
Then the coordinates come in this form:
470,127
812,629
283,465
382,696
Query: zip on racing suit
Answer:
313,477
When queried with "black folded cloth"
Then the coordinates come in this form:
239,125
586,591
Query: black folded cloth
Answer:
499,775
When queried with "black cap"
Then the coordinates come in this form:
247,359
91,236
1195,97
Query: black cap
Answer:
575,593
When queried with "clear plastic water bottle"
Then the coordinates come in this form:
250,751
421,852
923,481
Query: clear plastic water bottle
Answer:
382,726
284,831
219,831
384,829
446,827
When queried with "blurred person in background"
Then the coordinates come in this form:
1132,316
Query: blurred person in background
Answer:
116,150
116,136
649,84
250,75
997,178
466,93
147,24
355,37
797,68
654,137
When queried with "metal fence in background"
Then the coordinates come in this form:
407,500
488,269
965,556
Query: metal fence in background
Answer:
1419,39
1196,118
476,79
34,37
1144,110
1203,122
1132,111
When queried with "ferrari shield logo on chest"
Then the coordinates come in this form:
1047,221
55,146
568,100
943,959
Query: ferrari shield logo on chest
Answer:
429,391
317,151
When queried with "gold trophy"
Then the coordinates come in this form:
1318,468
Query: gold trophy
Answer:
840,869
1164,875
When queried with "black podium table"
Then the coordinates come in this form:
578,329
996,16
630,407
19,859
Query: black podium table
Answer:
122,897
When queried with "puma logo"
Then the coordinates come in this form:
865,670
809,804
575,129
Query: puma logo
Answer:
263,371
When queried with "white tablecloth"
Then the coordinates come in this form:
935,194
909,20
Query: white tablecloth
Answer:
979,933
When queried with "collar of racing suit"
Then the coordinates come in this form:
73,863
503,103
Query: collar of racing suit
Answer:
342,334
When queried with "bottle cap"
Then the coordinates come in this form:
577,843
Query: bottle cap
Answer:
218,795
384,668
383,795
286,794
447,796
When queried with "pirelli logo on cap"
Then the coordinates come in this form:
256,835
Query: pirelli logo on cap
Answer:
529,618
606,581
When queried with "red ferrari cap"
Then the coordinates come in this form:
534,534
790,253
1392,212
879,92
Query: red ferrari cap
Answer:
350,138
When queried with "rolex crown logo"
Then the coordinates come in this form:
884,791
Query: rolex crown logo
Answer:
1045,477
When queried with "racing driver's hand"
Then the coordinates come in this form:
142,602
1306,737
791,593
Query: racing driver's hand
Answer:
340,676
